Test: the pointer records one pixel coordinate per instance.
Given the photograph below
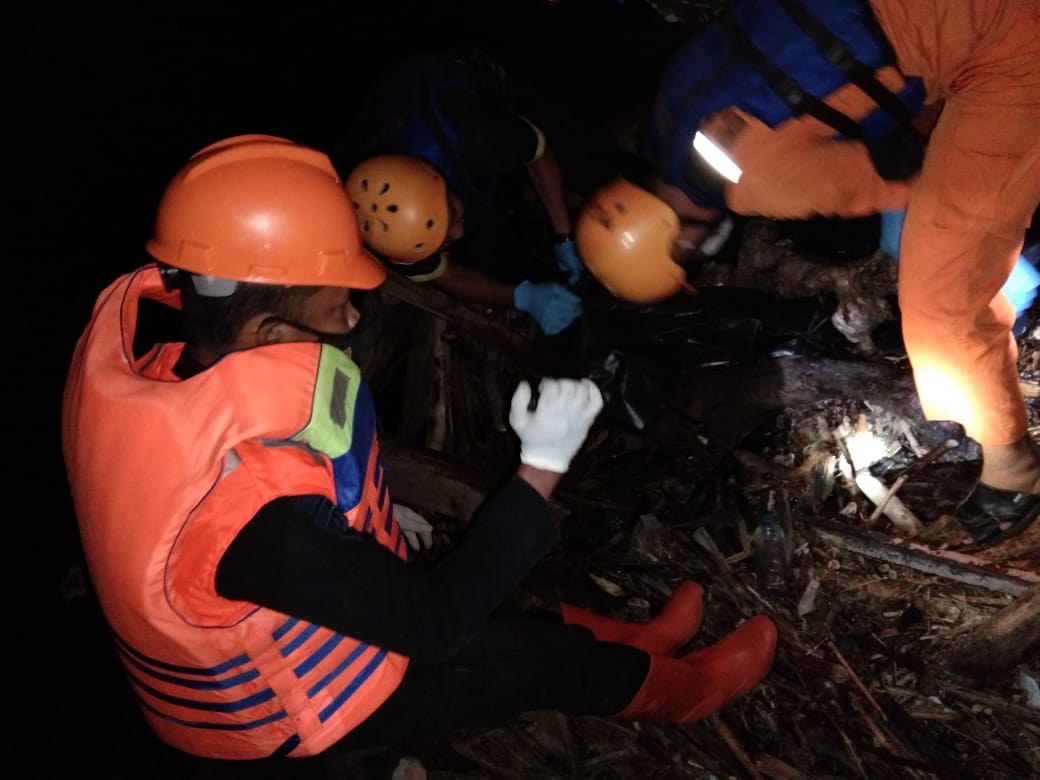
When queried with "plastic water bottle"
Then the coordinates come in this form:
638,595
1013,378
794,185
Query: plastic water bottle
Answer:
769,547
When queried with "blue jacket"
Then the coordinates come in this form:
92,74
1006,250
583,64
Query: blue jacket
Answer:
407,113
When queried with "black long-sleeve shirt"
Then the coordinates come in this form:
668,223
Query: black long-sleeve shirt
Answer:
287,559
294,557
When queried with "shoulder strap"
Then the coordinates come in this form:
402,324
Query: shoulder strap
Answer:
843,58
786,88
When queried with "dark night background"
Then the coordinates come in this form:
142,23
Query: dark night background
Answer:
105,106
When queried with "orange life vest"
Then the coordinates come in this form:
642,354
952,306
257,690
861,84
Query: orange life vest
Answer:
164,473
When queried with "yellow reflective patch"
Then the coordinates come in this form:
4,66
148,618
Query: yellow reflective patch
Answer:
329,429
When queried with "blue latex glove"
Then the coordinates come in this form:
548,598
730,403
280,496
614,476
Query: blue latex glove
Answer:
568,260
891,232
1020,287
552,305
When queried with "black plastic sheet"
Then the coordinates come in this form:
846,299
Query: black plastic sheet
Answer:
634,353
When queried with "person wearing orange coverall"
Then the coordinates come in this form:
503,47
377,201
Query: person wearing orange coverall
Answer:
814,108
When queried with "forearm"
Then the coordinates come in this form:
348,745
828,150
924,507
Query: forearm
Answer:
348,582
544,482
793,172
548,183
805,185
472,286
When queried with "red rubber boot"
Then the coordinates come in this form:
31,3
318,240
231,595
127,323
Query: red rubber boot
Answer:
678,621
687,689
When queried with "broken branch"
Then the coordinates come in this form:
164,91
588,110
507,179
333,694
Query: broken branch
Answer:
956,566
914,467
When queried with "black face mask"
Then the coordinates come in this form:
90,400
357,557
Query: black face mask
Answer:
341,341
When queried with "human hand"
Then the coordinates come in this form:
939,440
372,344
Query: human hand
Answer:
414,526
552,305
568,260
553,432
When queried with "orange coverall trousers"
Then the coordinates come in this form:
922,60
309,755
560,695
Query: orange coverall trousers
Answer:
967,211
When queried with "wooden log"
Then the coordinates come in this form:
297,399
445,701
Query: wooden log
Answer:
993,648
433,483
956,566
438,430
468,315
423,389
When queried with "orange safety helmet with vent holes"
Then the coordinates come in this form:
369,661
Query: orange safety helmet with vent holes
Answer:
625,236
266,210
402,206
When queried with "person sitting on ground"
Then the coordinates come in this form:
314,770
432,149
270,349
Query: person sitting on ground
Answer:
804,108
238,527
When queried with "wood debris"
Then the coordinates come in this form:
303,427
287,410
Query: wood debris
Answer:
899,658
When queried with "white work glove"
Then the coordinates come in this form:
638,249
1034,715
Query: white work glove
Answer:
552,433
416,530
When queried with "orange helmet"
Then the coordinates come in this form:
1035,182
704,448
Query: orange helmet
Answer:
402,206
262,209
625,235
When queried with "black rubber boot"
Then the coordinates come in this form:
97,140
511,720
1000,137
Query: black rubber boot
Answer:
992,515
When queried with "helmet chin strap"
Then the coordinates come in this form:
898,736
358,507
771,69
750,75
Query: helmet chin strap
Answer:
340,341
